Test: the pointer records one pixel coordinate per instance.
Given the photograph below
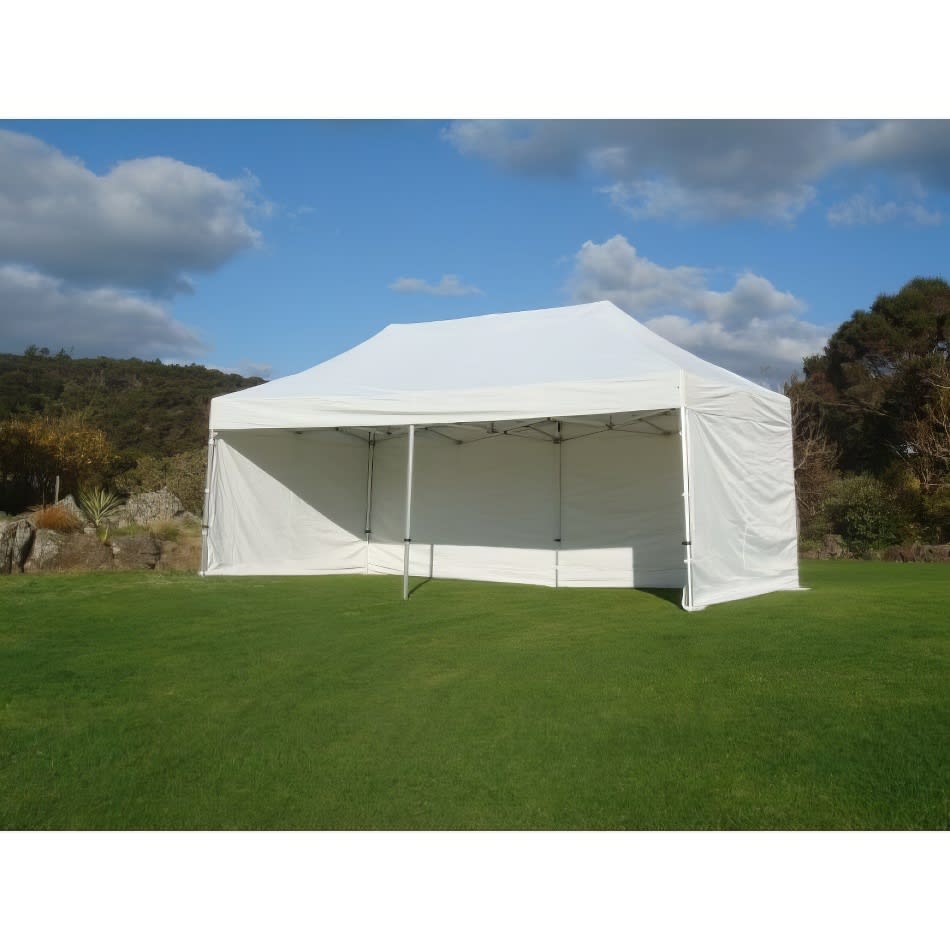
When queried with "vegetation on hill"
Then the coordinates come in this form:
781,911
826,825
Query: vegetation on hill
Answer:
145,408
144,419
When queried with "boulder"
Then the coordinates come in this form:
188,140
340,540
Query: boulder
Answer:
16,538
136,552
147,507
45,550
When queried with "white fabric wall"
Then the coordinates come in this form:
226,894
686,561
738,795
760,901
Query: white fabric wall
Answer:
287,504
485,510
489,510
622,511
742,485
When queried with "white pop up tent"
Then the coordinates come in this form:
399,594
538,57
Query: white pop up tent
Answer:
564,447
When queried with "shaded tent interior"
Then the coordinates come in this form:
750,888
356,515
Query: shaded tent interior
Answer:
539,501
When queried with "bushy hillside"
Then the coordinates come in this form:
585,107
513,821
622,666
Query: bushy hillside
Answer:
145,408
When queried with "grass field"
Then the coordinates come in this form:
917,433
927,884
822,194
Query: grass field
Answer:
168,701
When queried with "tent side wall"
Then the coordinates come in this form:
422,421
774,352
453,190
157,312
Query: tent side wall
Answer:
282,503
742,486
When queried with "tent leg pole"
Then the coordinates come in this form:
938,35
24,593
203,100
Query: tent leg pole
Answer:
406,538
206,507
687,500
371,447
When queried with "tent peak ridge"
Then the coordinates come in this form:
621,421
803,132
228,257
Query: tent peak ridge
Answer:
606,306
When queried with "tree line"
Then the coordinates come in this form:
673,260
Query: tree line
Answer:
871,418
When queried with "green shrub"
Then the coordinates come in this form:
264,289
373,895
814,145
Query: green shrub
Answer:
814,526
129,531
166,530
937,513
97,505
864,513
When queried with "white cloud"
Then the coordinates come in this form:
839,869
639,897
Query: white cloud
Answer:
862,209
547,147
753,329
666,198
250,368
145,224
448,286
920,148
36,308
695,169
767,169
614,271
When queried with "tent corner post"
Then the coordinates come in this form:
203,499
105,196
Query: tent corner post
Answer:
206,505
367,529
687,497
407,536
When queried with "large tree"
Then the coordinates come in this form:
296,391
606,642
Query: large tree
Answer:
878,388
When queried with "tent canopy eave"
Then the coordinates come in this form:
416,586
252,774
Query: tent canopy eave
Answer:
366,408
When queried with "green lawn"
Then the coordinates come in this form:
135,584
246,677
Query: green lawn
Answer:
162,701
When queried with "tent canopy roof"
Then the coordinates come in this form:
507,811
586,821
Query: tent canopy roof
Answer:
585,359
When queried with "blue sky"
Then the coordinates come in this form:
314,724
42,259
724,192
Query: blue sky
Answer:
270,246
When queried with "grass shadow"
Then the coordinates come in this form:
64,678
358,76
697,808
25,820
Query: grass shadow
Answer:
672,595
421,583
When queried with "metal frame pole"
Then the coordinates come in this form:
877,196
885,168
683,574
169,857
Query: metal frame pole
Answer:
687,498
406,538
371,451
206,507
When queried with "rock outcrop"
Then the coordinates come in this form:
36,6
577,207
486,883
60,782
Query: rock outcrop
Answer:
77,551
175,546
54,551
